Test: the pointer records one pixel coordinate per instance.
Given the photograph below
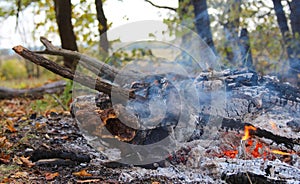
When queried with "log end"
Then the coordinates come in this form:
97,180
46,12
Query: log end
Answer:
18,49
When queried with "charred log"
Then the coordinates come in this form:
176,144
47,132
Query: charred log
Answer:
49,154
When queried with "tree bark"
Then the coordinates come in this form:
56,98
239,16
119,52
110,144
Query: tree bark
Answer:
104,45
295,23
232,31
90,82
202,22
244,44
286,35
295,13
51,88
63,12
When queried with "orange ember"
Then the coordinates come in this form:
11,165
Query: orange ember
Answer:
280,152
231,153
256,152
247,132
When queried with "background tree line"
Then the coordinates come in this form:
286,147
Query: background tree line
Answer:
261,35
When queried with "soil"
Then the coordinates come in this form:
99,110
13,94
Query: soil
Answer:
49,147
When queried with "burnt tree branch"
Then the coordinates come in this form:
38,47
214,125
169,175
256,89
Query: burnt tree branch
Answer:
87,81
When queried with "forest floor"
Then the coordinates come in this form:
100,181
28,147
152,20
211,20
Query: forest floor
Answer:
47,147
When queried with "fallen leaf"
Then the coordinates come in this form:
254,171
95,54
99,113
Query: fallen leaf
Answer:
20,175
88,181
26,161
39,125
81,173
10,126
17,160
24,118
51,176
6,180
19,113
4,143
4,158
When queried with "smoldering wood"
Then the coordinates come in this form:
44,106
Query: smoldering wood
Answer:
33,93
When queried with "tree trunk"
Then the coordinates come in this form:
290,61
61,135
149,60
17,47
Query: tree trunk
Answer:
244,44
295,22
63,12
232,31
202,22
104,45
285,32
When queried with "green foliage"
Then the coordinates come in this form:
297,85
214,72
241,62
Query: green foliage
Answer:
66,97
40,105
256,15
121,57
12,69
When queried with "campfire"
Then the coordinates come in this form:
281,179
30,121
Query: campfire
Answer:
253,147
267,149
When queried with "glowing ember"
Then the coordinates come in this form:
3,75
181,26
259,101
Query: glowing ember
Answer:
280,152
247,132
231,153
256,152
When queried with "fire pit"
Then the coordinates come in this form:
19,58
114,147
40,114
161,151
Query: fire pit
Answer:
250,136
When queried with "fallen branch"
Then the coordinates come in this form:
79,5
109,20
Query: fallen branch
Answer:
158,6
99,68
93,83
52,88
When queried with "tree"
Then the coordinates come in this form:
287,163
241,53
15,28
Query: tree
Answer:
244,45
292,45
104,45
231,29
295,23
202,22
63,12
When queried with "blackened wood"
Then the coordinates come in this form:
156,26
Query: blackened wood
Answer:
288,142
48,154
